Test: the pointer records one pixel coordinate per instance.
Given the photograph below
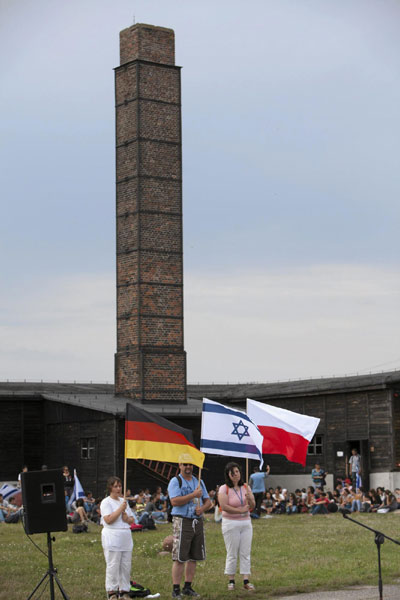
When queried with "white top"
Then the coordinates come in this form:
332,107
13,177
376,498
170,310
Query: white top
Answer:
108,506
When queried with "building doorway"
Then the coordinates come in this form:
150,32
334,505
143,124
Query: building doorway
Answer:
342,453
362,447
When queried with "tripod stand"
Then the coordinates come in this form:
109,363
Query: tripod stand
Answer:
379,540
51,573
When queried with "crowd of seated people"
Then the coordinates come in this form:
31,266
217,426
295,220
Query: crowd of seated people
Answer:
316,501
276,501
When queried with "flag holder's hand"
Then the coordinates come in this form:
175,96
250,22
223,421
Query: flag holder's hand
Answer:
249,497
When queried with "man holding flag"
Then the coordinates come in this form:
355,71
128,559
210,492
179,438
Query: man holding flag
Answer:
189,499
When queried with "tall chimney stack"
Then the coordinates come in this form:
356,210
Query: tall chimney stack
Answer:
150,363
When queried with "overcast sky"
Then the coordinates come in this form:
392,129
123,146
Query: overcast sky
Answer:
291,145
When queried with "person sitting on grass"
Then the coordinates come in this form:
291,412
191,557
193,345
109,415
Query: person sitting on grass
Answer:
268,503
80,514
390,503
320,505
333,503
309,502
95,515
357,499
291,504
3,510
366,502
140,502
88,503
279,501
346,499
14,512
300,501
156,509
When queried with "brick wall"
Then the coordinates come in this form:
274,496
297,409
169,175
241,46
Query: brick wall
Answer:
150,363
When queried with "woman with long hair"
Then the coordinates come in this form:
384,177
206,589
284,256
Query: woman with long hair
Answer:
236,501
116,538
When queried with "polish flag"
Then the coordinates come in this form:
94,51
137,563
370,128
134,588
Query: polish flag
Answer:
284,432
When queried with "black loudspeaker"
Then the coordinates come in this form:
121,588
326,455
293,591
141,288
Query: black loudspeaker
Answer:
44,501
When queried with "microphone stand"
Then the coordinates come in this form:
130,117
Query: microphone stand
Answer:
379,540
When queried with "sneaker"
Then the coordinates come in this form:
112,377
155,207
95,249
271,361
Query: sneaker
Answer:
113,596
231,587
189,591
249,586
124,596
176,594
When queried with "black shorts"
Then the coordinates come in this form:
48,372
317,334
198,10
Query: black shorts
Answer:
189,541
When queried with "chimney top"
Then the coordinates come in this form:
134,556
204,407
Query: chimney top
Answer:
147,42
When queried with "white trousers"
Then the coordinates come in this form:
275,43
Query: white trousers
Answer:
118,570
237,537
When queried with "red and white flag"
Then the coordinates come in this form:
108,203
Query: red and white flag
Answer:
284,432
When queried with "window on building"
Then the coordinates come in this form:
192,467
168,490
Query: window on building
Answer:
315,446
88,448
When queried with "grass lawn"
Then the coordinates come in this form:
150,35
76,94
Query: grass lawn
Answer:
290,554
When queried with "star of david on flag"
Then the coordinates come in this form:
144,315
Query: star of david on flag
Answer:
240,434
229,432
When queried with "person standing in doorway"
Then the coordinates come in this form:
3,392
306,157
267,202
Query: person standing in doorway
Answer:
189,502
355,467
257,484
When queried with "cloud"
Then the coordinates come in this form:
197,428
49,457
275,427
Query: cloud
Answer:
271,325
61,329
258,325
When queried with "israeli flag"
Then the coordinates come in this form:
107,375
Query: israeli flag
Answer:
229,432
77,492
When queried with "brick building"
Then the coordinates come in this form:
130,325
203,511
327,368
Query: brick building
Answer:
150,363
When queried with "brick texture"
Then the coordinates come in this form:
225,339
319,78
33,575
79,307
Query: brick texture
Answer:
150,363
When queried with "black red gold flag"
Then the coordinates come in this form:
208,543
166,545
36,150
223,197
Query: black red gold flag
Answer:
152,437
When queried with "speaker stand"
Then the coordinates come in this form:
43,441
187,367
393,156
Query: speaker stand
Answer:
51,573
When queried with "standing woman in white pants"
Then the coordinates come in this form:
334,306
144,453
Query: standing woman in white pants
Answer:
116,538
236,501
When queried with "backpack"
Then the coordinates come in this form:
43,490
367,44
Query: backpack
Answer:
169,505
147,522
138,591
80,528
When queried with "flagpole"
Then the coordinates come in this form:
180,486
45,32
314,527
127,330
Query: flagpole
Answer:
125,461
247,471
199,477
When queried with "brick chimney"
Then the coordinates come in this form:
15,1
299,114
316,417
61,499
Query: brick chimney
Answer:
150,363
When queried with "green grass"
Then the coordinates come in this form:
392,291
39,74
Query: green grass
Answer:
290,554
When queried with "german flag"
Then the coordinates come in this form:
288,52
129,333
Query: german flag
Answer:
152,437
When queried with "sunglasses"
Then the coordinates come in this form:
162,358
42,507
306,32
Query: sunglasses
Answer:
187,464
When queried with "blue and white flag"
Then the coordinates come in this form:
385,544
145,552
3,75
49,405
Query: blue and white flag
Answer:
8,491
77,491
229,432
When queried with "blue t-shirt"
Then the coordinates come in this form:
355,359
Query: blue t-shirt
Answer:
188,487
257,482
318,477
